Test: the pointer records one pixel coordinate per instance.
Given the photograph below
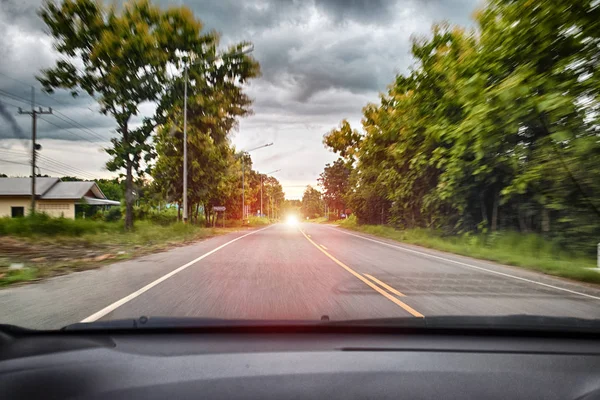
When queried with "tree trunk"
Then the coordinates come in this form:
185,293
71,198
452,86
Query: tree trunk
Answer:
178,211
495,213
196,213
522,222
484,217
206,215
545,220
129,196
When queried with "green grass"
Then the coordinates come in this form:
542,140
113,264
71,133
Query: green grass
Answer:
55,246
528,251
258,221
320,220
19,275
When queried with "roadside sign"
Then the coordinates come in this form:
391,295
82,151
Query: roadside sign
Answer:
218,208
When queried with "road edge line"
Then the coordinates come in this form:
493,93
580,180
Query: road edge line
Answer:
469,265
113,306
382,292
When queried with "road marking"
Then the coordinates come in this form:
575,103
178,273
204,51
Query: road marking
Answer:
149,286
471,266
324,247
385,294
384,285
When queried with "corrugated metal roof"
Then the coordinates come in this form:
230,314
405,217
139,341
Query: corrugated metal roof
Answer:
49,188
68,190
22,186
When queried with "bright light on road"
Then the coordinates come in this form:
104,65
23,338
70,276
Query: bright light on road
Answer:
292,220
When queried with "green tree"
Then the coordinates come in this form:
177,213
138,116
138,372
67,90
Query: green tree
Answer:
344,141
335,181
121,58
113,189
312,203
491,129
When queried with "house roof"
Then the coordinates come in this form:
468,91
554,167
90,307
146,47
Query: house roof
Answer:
51,189
69,190
22,186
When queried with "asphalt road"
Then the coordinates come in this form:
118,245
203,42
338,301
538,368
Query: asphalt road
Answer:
295,272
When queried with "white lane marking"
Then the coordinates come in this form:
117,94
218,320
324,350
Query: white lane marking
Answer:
469,265
126,299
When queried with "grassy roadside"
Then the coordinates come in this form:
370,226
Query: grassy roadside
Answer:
526,251
51,247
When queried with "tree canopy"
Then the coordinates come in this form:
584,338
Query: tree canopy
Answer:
493,128
124,57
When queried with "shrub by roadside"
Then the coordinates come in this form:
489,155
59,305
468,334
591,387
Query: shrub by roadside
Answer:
258,221
529,251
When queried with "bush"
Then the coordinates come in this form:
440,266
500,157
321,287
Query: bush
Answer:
349,222
258,221
44,225
162,218
113,214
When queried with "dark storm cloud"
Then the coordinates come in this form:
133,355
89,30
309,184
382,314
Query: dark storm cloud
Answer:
321,61
359,10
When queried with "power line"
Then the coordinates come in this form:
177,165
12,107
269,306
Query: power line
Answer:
13,162
23,100
67,129
65,118
58,170
68,168
14,79
65,168
91,132
15,97
29,85
9,104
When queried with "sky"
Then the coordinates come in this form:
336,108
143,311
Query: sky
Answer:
321,61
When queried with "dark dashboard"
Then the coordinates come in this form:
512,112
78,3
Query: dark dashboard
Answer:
320,361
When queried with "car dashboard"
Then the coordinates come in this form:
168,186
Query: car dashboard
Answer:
273,363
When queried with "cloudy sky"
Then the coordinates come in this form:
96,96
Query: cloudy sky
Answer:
321,60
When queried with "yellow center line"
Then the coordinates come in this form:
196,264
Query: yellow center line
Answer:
385,294
324,247
385,285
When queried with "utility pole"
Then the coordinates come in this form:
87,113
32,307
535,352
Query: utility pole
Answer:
242,154
185,170
261,189
34,146
243,193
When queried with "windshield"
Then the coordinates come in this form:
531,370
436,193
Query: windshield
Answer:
299,161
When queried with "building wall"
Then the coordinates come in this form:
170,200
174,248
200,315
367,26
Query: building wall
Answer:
57,208
54,208
7,202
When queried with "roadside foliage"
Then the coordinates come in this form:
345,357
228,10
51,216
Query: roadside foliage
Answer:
494,128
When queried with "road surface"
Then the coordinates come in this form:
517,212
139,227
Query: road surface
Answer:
295,272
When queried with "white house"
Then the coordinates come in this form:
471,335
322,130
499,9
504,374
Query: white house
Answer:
53,196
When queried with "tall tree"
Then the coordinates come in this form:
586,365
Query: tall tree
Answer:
335,181
121,58
312,203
